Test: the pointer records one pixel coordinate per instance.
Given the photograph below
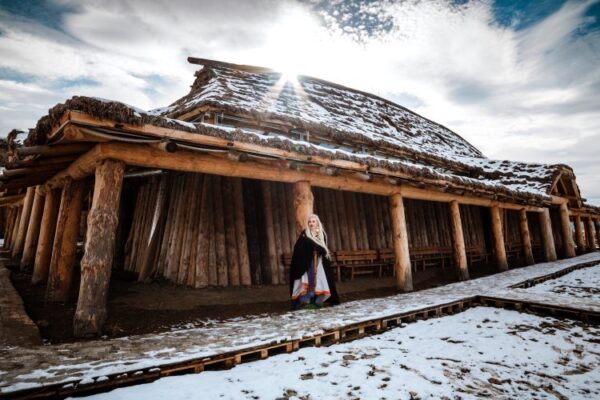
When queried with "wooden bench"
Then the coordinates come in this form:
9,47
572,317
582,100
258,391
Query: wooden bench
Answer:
430,257
358,262
477,255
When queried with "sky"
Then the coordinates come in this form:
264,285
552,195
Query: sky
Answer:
520,80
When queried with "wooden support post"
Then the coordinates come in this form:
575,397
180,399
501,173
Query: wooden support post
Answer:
43,253
96,264
33,230
499,249
590,234
303,204
23,222
579,235
547,238
65,242
15,227
458,241
271,247
240,232
565,224
597,224
525,237
402,267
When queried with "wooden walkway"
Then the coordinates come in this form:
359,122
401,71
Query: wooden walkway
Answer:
83,368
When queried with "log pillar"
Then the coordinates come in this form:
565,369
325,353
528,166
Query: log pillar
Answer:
498,236
96,264
458,241
590,234
15,227
43,253
33,229
525,237
567,235
402,267
303,204
579,235
23,222
547,238
65,242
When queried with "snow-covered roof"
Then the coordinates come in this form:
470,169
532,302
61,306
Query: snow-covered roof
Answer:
343,114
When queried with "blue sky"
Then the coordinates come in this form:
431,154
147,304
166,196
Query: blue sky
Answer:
518,79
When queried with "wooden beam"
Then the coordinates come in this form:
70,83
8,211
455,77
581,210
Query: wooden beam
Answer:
579,235
33,230
54,150
525,238
567,235
547,237
498,236
96,264
404,281
65,242
23,222
11,200
43,253
458,242
303,204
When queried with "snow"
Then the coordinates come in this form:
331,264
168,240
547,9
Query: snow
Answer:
580,284
482,352
22,368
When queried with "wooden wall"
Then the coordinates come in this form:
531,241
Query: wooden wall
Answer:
199,235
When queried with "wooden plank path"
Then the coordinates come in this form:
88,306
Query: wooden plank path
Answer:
82,368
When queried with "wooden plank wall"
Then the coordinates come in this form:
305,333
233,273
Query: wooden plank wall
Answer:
199,244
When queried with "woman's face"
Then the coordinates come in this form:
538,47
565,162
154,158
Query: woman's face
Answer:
313,224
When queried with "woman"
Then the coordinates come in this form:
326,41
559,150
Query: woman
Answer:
311,278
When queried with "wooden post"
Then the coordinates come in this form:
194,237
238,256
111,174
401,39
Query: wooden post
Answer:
240,232
303,204
547,238
43,253
499,249
24,222
33,229
565,225
458,241
591,245
597,224
525,238
15,228
65,242
402,267
158,220
271,247
579,235
96,264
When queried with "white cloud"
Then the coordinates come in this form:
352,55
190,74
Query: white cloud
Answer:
530,95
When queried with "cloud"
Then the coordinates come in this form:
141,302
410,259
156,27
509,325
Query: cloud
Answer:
517,83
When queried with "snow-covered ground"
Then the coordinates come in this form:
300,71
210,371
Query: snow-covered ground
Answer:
482,352
580,284
26,367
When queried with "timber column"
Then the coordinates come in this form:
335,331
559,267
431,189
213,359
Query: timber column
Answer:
43,254
33,229
579,235
458,241
565,223
499,249
590,234
402,268
96,264
23,222
547,238
525,238
65,242
303,204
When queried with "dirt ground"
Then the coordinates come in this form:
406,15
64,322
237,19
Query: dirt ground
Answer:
138,308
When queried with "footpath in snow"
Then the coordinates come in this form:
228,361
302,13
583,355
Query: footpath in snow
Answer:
22,368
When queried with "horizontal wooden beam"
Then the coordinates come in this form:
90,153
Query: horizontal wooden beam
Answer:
217,164
70,134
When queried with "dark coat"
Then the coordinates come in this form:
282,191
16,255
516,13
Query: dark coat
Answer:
301,259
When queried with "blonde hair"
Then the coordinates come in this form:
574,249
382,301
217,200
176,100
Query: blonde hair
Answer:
319,237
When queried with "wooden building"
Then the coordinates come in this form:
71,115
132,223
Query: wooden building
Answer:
214,189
